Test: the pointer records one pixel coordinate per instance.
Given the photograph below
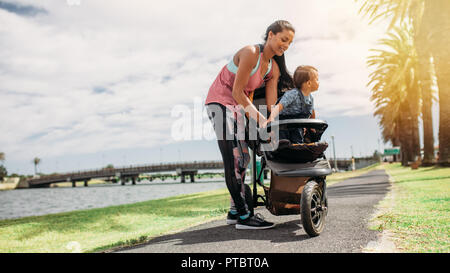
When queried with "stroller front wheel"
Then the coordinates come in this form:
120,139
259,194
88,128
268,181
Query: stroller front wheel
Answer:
313,210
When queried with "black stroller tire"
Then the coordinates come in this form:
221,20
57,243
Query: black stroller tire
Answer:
249,199
311,209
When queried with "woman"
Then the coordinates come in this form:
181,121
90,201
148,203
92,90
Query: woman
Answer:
231,93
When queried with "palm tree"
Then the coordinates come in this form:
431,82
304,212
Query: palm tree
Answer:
36,162
432,35
437,28
395,91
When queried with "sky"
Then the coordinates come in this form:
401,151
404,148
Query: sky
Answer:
86,83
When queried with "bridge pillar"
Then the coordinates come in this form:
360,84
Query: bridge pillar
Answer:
182,178
85,183
122,181
133,179
192,178
74,184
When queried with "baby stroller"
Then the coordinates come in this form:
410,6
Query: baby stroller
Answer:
298,175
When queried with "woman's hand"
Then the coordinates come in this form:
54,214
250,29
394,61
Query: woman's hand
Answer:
264,124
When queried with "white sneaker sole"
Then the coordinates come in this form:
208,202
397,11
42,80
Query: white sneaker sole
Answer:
231,222
239,226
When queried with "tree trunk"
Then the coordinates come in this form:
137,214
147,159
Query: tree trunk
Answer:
406,134
416,138
428,136
425,80
437,12
414,121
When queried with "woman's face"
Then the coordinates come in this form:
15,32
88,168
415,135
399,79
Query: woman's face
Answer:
281,41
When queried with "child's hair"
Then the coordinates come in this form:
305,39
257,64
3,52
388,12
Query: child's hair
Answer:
285,81
303,74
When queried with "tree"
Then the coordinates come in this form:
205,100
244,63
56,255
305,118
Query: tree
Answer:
109,166
3,172
437,28
432,36
395,91
36,162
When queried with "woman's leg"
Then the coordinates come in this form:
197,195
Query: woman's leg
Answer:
235,158
235,155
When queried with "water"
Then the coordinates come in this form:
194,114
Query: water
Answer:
41,201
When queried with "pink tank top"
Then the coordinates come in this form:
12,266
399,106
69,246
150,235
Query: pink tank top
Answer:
221,89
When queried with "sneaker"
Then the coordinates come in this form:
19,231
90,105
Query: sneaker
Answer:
254,222
232,218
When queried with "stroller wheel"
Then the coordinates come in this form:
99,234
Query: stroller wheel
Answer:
313,211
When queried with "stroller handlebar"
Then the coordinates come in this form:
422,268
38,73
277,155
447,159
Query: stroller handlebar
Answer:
306,123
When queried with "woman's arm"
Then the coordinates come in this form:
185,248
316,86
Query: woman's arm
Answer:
248,57
275,112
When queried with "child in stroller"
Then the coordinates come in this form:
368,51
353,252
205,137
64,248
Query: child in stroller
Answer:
297,103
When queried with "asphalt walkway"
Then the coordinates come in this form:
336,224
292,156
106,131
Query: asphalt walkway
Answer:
351,204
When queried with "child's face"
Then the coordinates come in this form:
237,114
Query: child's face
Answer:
314,81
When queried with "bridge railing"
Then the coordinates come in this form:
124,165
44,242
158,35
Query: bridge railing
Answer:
129,169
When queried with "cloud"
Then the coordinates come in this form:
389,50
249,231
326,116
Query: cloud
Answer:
106,74
23,10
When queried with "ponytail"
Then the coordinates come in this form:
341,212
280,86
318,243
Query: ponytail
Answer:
285,81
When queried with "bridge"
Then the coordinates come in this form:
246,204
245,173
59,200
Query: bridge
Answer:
131,173
346,163
125,174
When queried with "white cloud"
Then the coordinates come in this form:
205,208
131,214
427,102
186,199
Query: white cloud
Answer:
106,74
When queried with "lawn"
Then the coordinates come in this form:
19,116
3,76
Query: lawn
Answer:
417,210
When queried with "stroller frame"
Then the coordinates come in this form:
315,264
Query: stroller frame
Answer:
312,203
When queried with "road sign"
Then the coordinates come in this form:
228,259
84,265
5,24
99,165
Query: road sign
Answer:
392,151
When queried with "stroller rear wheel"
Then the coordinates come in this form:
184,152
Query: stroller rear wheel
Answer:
313,209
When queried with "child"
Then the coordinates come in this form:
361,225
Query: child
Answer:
297,103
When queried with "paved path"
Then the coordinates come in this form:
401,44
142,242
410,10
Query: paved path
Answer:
351,205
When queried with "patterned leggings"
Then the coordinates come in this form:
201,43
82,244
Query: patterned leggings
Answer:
229,126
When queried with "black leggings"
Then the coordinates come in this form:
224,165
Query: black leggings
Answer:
234,150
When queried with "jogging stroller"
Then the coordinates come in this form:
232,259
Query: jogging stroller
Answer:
298,175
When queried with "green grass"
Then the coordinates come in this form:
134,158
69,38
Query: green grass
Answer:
100,229
105,228
417,210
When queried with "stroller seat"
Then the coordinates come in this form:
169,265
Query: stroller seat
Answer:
299,160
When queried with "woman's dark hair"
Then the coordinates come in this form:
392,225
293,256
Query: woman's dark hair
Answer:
285,81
